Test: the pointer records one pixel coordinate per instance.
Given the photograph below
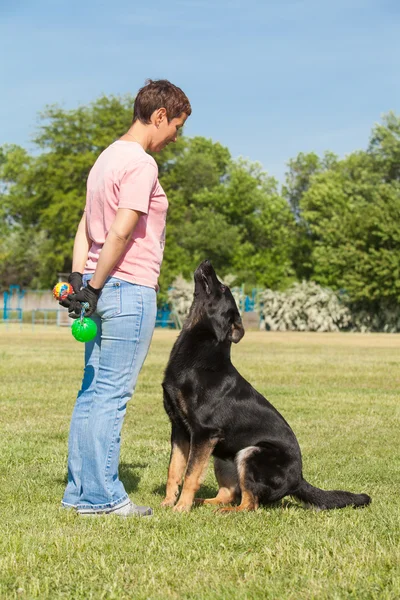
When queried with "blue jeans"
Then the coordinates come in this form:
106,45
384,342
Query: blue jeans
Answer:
125,319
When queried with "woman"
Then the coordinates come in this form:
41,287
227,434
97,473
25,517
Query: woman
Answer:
118,247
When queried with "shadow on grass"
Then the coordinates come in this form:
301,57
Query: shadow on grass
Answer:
204,492
127,474
207,491
63,480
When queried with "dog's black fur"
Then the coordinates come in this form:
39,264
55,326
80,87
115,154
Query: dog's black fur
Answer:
215,411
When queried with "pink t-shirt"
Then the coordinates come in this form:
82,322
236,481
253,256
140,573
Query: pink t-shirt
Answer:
125,176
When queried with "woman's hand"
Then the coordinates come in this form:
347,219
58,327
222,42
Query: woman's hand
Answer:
88,294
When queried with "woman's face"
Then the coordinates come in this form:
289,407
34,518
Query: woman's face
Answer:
164,132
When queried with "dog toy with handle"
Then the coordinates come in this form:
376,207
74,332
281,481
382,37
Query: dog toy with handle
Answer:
84,329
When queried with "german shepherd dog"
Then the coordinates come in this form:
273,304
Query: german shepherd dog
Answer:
214,411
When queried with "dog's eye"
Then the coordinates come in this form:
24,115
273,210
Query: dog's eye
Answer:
223,288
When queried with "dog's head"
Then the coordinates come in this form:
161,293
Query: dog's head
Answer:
214,306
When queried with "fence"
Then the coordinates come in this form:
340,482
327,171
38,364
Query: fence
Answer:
38,306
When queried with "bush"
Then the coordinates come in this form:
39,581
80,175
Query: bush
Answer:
383,315
180,296
304,307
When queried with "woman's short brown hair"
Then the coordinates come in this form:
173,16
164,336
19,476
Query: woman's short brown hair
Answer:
160,94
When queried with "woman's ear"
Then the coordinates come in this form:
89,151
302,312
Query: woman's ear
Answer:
158,116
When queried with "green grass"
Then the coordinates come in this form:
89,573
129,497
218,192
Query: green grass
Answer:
339,392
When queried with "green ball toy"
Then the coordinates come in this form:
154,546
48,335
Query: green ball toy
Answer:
84,329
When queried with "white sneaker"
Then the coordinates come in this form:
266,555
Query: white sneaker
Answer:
127,510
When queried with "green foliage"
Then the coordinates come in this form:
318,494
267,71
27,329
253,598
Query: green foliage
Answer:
86,129
385,147
299,176
20,251
261,225
227,211
230,212
198,164
353,216
347,213
334,221
44,194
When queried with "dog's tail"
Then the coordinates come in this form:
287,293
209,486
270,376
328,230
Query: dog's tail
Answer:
324,499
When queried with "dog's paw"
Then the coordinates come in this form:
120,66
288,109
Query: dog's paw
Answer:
211,501
180,508
168,502
224,511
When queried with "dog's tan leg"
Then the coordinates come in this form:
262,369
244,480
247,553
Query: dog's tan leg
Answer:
228,481
196,470
249,500
176,470
224,496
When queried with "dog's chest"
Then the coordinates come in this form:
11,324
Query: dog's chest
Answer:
180,403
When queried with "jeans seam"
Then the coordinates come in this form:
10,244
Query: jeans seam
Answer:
110,450
138,332
116,288
105,505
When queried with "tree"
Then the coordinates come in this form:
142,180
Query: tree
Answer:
227,211
385,147
336,221
248,199
42,197
299,176
298,180
353,215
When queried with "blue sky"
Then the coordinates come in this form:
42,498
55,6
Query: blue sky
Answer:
267,79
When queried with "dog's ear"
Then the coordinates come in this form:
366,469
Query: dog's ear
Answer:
231,330
237,330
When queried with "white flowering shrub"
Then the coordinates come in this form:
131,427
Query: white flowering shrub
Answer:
304,307
180,296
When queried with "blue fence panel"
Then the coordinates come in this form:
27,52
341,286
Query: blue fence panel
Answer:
165,318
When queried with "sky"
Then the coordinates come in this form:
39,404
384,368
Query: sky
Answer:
266,78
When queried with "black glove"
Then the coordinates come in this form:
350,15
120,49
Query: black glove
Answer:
87,294
75,279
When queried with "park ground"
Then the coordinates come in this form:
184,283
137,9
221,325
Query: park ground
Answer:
340,394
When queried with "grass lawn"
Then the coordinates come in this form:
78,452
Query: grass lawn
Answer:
340,394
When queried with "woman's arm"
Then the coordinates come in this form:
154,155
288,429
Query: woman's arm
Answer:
118,237
82,244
